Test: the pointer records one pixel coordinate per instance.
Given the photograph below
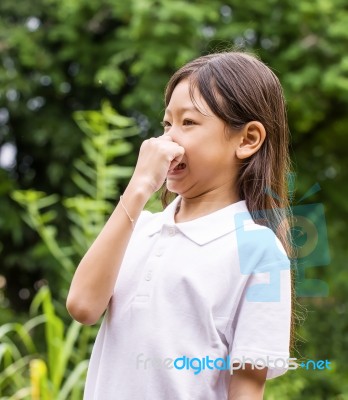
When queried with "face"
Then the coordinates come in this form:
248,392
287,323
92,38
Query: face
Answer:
209,163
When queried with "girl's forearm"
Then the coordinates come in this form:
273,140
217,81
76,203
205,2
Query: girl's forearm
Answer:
95,277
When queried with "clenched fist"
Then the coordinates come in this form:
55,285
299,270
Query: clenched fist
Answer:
157,156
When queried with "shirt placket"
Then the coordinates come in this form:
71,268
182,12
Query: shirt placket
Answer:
154,264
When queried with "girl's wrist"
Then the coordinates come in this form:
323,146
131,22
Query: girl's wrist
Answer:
142,188
139,191
133,201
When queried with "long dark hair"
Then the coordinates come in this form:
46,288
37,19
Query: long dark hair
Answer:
239,88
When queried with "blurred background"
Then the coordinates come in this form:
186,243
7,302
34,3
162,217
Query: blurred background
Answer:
81,86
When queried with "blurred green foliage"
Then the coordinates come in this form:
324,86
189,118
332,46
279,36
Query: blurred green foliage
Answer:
60,57
96,175
55,371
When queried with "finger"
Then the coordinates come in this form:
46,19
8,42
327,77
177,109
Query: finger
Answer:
165,137
177,157
178,152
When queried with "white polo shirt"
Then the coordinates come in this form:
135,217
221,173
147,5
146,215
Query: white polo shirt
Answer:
188,296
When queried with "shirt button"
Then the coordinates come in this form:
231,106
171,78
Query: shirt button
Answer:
171,231
148,275
159,253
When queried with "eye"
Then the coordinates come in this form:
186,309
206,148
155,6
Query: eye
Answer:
189,122
165,124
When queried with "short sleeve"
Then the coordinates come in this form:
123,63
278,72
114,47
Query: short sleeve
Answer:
260,331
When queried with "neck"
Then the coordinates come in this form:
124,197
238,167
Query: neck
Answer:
205,203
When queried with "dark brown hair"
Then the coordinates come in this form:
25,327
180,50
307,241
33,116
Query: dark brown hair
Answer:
239,88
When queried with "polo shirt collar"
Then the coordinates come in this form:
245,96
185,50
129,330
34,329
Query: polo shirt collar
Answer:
201,230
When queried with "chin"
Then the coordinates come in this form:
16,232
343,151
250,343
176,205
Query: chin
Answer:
173,188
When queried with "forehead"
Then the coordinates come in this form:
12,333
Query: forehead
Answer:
187,98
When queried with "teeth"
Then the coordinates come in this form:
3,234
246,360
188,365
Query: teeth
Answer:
180,166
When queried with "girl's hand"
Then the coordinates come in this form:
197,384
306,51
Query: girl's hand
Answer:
156,157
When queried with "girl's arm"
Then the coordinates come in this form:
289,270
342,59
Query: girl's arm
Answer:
95,277
247,383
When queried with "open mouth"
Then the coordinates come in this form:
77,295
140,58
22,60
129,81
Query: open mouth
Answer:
180,166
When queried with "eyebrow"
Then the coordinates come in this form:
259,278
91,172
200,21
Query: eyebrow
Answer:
182,109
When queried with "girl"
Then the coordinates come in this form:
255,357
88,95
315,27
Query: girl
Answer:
198,297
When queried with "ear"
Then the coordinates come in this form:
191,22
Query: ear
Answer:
252,137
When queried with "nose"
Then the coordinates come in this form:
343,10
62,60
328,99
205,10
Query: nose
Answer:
172,131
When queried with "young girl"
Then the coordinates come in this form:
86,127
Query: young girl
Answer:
198,297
